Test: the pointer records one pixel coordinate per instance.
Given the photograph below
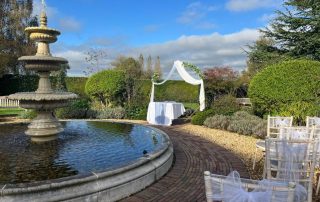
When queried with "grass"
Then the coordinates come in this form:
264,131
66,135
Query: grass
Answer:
11,111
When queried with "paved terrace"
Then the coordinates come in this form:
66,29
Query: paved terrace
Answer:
193,156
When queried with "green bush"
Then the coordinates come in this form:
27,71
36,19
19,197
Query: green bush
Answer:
112,113
240,122
18,83
287,88
107,86
218,121
28,114
226,105
244,123
136,112
200,117
78,109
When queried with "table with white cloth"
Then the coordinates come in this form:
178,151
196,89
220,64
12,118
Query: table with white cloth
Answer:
162,113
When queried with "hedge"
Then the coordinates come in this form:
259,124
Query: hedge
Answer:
174,90
286,85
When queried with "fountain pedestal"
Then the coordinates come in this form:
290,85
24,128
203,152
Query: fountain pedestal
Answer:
44,100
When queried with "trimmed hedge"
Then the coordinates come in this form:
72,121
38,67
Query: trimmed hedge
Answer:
286,88
173,90
18,83
107,86
76,85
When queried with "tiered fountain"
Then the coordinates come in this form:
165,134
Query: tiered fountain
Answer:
89,160
44,100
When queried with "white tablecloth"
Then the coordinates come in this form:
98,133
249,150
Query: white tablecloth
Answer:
162,113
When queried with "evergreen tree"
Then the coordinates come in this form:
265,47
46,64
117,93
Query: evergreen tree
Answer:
15,16
296,30
157,67
262,54
149,71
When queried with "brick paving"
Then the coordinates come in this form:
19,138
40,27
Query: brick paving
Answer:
193,156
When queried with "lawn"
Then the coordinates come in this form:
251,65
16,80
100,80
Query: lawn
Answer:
10,111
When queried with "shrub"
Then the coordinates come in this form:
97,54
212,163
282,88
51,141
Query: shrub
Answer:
226,105
200,117
241,122
78,109
136,112
287,87
217,121
107,86
111,113
28,114
244,123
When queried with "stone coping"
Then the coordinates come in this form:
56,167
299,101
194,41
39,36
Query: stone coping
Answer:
124,181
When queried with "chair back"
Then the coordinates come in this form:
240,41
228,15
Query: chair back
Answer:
314,122
217,186
275,123
292,161
296,133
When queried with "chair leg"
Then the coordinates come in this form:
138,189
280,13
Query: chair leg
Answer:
318,186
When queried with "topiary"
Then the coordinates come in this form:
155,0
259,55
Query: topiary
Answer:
107,86
200,117
280,87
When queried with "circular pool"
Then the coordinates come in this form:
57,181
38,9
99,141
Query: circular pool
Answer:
90,160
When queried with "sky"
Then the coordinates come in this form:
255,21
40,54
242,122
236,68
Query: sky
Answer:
207,33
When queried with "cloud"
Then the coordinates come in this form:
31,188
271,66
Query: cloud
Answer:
202,50
195,14
205,51
69,24
245,5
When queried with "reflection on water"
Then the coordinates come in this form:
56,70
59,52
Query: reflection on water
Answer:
83,147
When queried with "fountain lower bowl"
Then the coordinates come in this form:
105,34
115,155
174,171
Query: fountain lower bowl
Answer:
102,185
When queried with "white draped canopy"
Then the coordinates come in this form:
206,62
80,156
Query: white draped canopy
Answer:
178,65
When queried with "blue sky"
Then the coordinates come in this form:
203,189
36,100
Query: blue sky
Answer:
206,33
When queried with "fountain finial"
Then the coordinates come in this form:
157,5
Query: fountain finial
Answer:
43,19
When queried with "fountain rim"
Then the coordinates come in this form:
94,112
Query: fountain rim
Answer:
44,58
44,185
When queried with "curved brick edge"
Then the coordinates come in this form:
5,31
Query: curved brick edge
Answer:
185,180
105,186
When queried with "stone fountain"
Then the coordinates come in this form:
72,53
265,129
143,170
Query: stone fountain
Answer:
44,100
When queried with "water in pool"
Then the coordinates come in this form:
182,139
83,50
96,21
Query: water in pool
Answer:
83,147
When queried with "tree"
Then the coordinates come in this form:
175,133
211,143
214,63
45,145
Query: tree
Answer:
219,81
132,70
141,62
14,17
262,54
149,71
296,30
157,67
107,86
95,57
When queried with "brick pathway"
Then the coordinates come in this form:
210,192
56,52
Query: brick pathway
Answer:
193,156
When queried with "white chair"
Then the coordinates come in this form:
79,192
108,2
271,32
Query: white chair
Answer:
292,161
274,125
314,122
218,187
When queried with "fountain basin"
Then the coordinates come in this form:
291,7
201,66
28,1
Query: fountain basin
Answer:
101,183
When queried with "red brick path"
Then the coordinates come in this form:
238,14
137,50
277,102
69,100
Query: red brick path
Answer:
193,156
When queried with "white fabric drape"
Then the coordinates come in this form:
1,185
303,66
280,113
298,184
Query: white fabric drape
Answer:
178,65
